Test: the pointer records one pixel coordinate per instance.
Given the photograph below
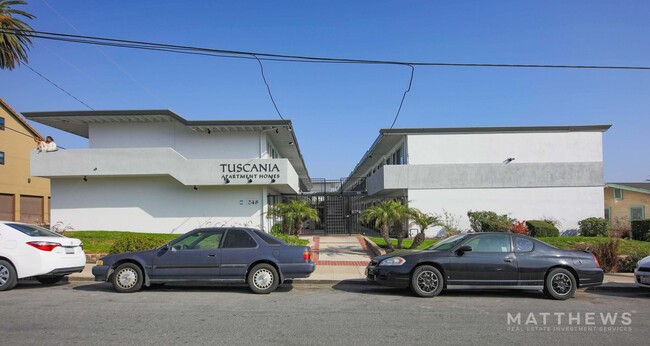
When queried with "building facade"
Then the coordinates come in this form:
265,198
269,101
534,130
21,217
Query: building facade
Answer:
525,172
22,197
154,171
625,202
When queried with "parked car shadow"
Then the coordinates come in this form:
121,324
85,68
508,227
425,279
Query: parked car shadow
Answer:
30,284
181,288
357,286
625,292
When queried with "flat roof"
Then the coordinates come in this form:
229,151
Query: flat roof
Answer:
388,138
77,122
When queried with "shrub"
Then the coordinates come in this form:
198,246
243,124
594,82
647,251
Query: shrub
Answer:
605,252
489,221
641,229
620,227
135,243
627,263
289,239
594,227
519,227
276,228
539,228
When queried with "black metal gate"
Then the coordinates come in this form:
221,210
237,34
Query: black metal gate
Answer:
338,213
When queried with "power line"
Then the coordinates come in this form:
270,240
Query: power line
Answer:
268,88
283,57
404,95
60,88
28,135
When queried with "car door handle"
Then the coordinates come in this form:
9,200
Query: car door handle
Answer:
508,259
211,255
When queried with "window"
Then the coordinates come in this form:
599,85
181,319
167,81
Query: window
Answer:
523,245
608,211
637,213
2,157
199,241
490,243
2,124
618,194
32,231
238,238
269,239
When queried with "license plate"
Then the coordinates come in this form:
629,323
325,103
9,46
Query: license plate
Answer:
645,279
69,250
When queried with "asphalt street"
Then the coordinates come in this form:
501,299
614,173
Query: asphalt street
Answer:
347,313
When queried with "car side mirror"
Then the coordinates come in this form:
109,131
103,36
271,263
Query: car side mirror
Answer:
463,249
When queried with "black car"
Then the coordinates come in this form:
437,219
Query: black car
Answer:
488,261
226,255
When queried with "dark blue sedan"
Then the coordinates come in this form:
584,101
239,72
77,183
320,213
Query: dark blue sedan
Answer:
223,255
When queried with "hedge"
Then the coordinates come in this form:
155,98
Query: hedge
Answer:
641,230
594,227
489,221
136,243
539,228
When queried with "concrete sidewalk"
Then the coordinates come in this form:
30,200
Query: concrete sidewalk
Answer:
344,258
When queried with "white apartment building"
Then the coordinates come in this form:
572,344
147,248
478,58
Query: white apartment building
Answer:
154,171
525,172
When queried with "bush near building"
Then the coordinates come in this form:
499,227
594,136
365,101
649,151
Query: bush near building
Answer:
641,230
594,227
489,221
539,228
136,242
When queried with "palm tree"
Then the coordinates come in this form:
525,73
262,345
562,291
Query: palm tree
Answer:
383,215
13,43
423,221
295,212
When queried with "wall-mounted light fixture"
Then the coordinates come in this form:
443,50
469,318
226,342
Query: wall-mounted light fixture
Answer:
290,143
195,188
272,180
29,180
209,131
226,180
85,178
508,160
277,131
250,180
94,169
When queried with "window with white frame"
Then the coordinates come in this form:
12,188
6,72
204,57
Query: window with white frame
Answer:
637,212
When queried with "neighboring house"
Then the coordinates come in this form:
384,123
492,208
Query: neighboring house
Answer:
154,171
22,197
528,172
625,202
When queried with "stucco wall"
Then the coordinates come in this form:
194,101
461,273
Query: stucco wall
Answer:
153,205
566,204
496,147
191,144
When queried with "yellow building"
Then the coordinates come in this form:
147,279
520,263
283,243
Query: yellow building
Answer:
625,202
22,197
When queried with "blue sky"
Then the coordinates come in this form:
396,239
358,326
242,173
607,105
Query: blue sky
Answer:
338,110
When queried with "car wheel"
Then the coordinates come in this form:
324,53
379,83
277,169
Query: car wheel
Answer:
560,284
8,276
427,281
263,279
127,278
49,280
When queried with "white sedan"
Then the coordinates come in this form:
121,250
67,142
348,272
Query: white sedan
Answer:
32,251
642,273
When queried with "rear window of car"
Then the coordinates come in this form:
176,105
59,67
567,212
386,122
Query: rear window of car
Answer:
33,231
237,238
269,239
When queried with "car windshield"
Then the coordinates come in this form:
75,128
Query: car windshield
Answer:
33,231
448,243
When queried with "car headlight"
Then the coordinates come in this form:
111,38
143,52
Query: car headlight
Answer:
393,261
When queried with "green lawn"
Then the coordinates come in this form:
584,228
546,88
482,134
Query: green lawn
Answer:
625,247
101,241
405,244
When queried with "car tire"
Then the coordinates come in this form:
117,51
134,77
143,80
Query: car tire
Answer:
263,278
49,280
127,278
427,281
560,284
8,276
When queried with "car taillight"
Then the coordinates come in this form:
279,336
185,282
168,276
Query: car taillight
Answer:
44,245
306,255
81,245
596,259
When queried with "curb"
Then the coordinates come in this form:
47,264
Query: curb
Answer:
376,250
